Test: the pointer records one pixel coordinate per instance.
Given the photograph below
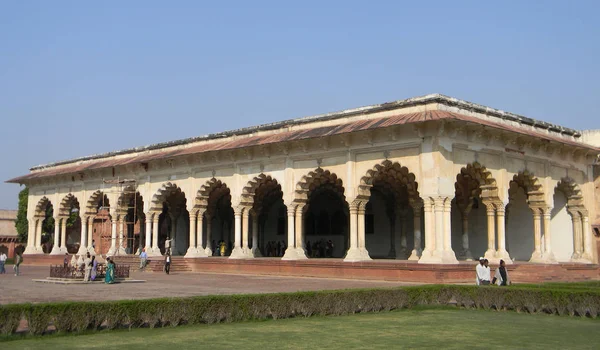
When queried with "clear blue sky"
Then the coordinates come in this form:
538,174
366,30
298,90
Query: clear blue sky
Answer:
78,78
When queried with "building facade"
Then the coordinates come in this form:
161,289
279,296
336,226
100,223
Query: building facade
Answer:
431,179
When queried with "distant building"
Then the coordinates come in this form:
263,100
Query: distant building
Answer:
8,232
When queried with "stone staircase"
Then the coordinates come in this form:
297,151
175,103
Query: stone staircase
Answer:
178,265
155,264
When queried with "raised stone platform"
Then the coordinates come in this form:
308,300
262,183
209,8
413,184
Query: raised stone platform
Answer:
79,281
382,270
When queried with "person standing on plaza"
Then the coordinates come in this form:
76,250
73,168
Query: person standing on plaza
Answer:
94,270
143,259
18,261
501,276
109,277
87,266
480,271
2,262
167,263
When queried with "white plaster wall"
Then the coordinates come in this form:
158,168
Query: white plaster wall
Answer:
519,227
562,229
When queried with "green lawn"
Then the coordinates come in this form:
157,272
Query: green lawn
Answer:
416,328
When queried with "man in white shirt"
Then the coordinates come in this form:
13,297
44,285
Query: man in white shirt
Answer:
3,258
482,273
487,274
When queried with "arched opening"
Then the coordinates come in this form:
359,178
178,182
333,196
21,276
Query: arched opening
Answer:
474,189
99,223
44,216
131,207
568,226
325,215
562,228
70,225
524,218
173,220
214,202
268,220
391,189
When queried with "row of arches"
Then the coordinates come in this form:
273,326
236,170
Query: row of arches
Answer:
388,218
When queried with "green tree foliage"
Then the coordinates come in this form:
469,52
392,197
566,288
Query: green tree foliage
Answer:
21,223
48,225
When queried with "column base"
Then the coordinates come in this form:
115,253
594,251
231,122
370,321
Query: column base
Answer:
503,254
63,250
292,253
112,252
466,255
208,251
536,257
490,254
91,250
30,251
153,251
256,252
82,250
429,257
56,251
415,255
357,254
238,253
448,257
195,253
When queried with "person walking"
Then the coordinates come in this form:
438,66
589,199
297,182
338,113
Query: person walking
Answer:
143,259
167,263
87,266
109,278
94,270
501,276
480,272
18,261
3,258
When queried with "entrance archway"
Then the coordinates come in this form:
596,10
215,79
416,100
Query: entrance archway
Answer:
131,209
44,215
213,202
567,222
173,220
70,225
99,223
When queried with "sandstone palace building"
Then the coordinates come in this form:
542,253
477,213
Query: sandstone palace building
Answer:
431,179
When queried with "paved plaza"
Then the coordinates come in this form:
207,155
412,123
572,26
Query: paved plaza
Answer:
19,289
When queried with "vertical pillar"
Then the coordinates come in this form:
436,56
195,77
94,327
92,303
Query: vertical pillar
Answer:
83,240
398,235
255,247
537,236
587,238
31,230
237,252
148,232
113,235
121,249
155,251
439,226
300,251
192,249
466,252
173,234
245,231
501,223
38,236
490,253
417,250
199,242
353,253
360,217
55,246
208,249
90,233
547,254
290,251
63,236
576,220
430,235
448,255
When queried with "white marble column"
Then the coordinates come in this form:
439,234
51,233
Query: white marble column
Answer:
192,249
90,233
38,236
56,245
490,253
547,254
299,231
448,255
208,249
353,253
290,251
577,246
63,236
30,249
360,217
429,253
155,251
466,252
502,253
237,252
121,248
536,256
148,233
113,236
246,232
587,238
417,250
83,242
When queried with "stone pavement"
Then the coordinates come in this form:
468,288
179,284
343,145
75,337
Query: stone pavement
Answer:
20,289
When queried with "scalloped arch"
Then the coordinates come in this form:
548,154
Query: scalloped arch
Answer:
40,208
316,179
163,193
392,174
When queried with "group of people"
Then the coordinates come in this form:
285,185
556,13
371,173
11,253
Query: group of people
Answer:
484,276
89,265
320,249
18,261
275,248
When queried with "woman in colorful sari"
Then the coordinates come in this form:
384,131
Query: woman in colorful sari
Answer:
94,268
110,272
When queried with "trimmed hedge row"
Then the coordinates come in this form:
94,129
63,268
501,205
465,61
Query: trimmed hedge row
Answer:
79,316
